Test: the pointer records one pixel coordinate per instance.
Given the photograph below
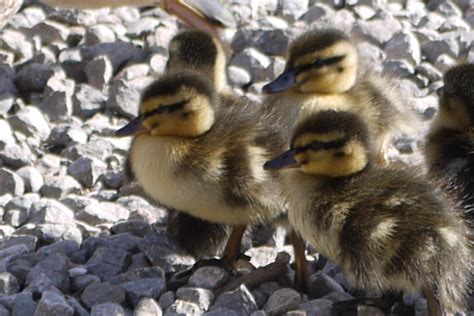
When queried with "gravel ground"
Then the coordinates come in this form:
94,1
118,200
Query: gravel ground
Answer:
76,238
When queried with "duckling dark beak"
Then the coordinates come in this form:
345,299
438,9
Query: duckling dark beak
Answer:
135,126
285,160
284,82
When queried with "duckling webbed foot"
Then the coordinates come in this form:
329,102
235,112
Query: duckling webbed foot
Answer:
232,252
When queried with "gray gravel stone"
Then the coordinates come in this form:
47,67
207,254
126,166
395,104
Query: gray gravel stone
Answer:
240,300
24,305
6,137
103,212
141,209
98,293
238,76
137,228
48,211
123,99
292,10
253,61
79,310
31,177
50,233
81,282
57,105
88,100
433,49
319,307
8,93
31,122
28,241
33,77
182,308
379,31
15,156
166,300
146,307
16,42
86,170
65,247
53,304
55,268
106,262
163,251
107,309
208,277
404,45
4,311
10,182
99,34
322,284
203,298
8,284
144,288
99,71
282,301
56,187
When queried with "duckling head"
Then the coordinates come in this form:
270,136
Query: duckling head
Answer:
456,106
198,51
180,104
327,143
321,61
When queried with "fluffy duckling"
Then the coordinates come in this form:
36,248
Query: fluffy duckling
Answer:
324,71
387,229
449,148
210,16
201,52
192,153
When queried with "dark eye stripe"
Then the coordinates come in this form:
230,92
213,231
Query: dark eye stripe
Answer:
165,109
320,63
315,146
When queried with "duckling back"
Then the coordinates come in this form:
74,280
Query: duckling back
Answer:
200,52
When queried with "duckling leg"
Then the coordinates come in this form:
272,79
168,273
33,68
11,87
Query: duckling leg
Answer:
303,272
434,308
232,249
382,150
189,16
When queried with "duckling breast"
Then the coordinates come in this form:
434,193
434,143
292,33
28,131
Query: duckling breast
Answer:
171,173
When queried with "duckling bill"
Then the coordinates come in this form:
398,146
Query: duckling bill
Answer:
388,229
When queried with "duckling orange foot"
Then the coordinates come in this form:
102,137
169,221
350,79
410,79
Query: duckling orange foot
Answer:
232,252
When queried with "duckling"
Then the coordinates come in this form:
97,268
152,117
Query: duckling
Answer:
449,148
386,228
210,15
195,154
323,71
201,52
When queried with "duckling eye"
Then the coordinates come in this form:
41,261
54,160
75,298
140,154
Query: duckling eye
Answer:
319,63
166,108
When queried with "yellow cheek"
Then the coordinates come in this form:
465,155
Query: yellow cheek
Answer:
150,122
